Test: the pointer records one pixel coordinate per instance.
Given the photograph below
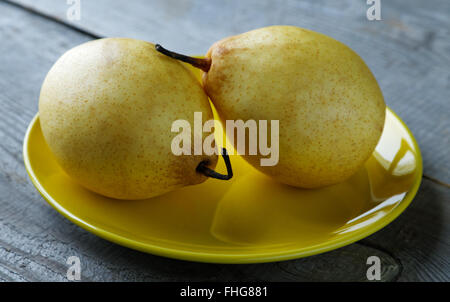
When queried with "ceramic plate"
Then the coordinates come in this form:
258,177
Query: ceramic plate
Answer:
248,219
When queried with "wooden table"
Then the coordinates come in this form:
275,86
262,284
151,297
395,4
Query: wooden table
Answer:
408,51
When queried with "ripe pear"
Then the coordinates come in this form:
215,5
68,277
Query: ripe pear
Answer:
106,109
329,106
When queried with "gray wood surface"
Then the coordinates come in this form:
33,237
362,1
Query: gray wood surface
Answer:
409,53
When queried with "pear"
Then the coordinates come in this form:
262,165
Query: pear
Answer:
106,108
329,106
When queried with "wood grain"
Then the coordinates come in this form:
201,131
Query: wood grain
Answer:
408,51
35,241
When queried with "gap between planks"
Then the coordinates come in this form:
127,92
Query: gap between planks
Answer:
96,36
53,18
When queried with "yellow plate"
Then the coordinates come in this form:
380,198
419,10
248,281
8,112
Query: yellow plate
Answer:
248,219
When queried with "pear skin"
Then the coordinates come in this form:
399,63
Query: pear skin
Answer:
330,108
106,109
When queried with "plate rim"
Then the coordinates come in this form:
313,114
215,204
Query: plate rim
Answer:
224,258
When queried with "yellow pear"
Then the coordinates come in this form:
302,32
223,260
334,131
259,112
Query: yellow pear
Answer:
106,109
329,106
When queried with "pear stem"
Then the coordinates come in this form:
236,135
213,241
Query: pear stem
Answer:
203,64
203,169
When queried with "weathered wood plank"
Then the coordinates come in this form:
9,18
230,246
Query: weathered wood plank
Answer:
409,51
420,237
35,241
